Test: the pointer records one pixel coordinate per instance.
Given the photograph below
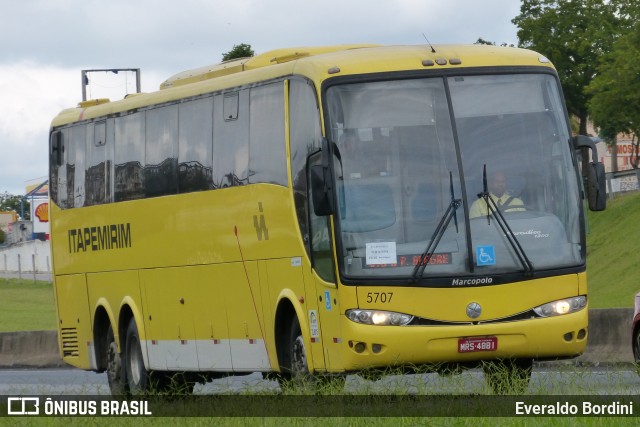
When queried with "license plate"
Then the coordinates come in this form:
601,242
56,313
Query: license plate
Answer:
468,345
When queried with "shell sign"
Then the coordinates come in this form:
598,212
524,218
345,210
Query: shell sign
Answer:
42,212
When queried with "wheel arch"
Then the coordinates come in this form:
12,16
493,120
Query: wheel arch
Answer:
288,308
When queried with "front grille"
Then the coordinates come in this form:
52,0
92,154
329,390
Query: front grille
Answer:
525,315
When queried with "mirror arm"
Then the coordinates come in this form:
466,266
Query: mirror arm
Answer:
583,141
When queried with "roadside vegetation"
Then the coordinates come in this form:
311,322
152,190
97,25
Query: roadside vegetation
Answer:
613,243
26,305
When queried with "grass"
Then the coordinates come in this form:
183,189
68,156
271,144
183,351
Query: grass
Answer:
568,421
363,421
26,305
613,244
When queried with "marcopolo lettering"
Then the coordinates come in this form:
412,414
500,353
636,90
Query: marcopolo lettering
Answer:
100,238
472,282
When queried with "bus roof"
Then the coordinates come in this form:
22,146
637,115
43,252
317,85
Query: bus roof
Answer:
316,63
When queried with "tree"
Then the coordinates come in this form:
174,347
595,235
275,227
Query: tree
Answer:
9,202
574,35
490,43
241,50
615,100
485,42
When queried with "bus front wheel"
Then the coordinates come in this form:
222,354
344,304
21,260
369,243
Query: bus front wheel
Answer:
295,369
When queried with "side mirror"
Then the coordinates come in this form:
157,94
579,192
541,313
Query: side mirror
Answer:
595,186
595,181
321,190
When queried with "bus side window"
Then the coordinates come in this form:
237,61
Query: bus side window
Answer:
231,140
129,157
56,156
76,166
267,153
305,138
96,164
161,157
195,146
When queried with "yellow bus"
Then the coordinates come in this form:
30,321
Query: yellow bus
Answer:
309,212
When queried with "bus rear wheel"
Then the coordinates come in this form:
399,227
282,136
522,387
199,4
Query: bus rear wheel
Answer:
116,373
140,381
137,375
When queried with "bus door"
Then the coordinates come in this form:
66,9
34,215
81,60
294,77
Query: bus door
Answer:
324,277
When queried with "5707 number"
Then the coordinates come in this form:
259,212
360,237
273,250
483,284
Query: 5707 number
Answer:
382,297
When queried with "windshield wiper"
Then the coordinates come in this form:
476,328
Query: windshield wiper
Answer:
492,209
425,257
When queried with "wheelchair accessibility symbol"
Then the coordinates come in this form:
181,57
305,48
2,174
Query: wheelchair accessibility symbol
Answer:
485,255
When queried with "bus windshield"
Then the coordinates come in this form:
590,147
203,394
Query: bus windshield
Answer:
455,176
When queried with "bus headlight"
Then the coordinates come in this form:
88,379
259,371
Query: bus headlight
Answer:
377,317
563,306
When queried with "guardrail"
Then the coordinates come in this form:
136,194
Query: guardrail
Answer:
623,181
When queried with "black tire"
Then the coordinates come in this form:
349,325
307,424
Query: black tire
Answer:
140,381
295,374
116,373
138,378
508,376
636,349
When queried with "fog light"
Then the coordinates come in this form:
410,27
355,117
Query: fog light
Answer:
582,333
375,348
568,337
360,347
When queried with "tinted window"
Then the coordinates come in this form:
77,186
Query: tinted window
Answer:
231,143
195,154
60,149
161,167
75,167
129,157
267,155
95,175
305,138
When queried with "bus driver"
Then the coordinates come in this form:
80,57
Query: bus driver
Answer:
498,193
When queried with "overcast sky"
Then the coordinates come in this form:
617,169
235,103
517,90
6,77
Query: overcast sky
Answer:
45,43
